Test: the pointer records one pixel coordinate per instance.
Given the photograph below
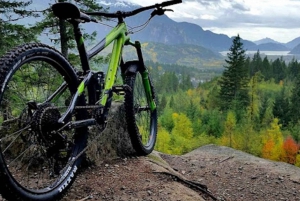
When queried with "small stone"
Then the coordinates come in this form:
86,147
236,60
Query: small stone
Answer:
149,192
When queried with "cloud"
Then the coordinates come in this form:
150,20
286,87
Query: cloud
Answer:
249,15
241,7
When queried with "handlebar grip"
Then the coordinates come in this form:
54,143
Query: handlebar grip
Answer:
169,3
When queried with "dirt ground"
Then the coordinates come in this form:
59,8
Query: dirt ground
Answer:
228,174
234,175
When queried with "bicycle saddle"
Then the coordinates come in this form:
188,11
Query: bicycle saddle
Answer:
67,10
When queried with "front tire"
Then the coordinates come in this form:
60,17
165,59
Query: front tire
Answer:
35,162
141,121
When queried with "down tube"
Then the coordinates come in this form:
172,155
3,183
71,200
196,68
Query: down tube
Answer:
112,69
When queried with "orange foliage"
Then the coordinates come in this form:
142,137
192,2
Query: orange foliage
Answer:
268,149
290,148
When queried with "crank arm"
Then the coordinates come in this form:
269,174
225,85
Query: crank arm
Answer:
78,124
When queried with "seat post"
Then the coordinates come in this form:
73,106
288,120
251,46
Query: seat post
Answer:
80,46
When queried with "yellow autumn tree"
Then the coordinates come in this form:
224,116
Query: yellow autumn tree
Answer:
163,141
181,134
297,160
273,142
253,108
229,128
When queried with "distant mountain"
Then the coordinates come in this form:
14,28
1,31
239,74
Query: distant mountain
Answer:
269,47
162,29
181,54
265,40
295,50
292,44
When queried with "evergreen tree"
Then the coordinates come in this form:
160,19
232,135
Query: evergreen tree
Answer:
295,103
267,70
234,81
293,69
186,83
162,104
279,70
53,26
11,33
172,102
281,108
256,64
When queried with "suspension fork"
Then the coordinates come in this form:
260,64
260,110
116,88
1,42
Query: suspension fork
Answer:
145,77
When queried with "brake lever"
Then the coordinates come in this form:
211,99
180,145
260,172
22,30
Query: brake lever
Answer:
160,11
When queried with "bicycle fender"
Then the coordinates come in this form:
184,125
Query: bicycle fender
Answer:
131,67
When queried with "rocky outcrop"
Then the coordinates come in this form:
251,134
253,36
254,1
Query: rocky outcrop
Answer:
114,141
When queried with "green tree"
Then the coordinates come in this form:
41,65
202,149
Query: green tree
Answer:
281,108
267,70
186,82
266,114
295,102
234,81
11,33
279,70
166,119
162,104
256,64
57,27
212,123
293,69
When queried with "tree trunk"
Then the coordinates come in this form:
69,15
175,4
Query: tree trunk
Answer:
63,35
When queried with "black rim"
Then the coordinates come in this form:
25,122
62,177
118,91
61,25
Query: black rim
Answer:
144,117
35,155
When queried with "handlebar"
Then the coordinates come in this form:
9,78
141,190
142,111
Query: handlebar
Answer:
134,12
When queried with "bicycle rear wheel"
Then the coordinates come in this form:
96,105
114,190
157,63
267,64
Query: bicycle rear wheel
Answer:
36,85
141,121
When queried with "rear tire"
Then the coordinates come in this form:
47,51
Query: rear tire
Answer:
141,124
34,159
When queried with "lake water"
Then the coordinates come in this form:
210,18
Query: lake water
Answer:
268,53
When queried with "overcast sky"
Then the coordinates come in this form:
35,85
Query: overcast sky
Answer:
252,19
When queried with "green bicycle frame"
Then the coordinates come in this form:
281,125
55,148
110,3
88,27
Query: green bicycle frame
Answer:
119,36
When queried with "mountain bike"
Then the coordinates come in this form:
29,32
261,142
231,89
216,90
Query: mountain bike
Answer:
47,107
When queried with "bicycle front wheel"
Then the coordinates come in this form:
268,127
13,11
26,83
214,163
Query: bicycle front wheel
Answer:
37,160
141,121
